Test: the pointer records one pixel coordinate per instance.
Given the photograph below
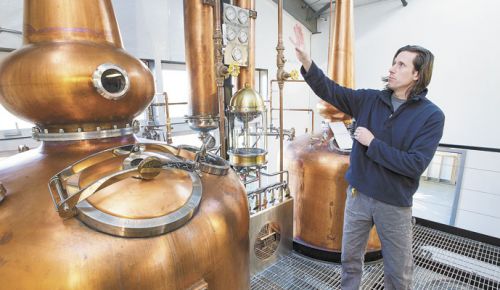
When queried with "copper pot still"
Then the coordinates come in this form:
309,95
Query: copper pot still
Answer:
56,81
318,185
316,169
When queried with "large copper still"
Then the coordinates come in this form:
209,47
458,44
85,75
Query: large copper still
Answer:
317,169
81,107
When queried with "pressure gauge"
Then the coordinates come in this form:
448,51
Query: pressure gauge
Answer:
236,54
230,34
230,13
243,16
243,36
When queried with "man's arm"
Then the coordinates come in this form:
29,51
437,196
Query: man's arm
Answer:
413,162
346,100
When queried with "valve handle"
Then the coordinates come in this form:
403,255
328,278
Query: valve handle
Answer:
294,74
233,69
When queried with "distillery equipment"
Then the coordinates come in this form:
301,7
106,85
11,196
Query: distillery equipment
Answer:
317,165
246,110
271,206
92,207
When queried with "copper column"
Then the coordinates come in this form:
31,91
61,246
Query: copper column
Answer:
247,74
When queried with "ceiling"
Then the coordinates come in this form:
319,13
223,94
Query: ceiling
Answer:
323,6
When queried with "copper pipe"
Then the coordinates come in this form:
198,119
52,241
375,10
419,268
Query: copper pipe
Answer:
220,70
200,60
168,121
281,76
299,110
247,74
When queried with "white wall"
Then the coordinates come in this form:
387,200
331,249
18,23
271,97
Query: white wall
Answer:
480,194
463,37
11,17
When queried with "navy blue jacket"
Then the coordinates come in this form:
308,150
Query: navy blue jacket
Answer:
405,141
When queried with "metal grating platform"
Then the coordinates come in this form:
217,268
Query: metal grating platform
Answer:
442,261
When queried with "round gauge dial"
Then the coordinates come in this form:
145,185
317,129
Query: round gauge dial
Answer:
243,36
230,13
236,54
243,16
230,34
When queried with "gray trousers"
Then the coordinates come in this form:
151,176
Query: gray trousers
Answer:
394,228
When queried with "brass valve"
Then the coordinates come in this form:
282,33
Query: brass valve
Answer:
294,74
233,70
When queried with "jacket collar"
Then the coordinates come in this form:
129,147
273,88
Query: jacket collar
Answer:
386,96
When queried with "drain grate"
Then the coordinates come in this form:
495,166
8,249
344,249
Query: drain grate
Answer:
442,261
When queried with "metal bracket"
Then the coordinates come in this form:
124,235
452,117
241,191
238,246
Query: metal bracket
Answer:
252,14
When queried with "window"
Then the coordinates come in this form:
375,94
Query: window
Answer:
176,84
261,80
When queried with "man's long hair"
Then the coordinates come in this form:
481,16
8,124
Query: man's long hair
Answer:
423,62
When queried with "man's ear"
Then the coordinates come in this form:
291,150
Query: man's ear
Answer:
415,75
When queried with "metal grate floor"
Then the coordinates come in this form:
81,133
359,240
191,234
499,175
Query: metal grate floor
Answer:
442,261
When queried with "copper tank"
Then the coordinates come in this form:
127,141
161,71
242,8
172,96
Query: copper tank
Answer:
50,81
317,170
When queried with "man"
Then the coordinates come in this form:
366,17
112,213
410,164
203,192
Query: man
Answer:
398,131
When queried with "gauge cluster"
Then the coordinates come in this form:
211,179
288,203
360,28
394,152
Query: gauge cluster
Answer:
236,34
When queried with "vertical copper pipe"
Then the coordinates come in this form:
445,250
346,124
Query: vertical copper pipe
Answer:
247,74
168,121
280,62
200,58
219,71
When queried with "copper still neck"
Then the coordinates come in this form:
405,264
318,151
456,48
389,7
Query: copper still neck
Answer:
341,51
340,54
61,20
